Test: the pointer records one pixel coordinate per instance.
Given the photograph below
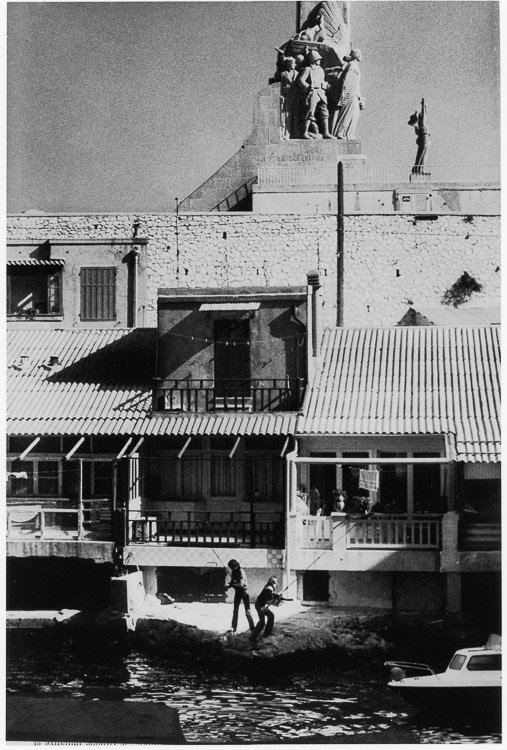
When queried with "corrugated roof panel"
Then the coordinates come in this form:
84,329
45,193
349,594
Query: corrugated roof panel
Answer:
102,385
410,380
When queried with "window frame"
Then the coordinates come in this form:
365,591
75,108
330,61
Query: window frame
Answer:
48,272
15,465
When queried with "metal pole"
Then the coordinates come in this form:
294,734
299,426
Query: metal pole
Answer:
339,259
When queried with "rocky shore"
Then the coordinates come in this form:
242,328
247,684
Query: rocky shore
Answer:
301,635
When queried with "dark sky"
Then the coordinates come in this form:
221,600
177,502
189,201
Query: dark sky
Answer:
117,106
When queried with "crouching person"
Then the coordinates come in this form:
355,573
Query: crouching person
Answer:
265,598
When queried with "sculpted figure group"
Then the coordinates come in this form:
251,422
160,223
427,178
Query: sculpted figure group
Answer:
317,103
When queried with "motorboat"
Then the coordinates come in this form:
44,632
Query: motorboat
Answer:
471,682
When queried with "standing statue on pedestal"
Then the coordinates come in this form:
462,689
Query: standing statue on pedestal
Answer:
289,99
316,114
418,121
320,48
350,101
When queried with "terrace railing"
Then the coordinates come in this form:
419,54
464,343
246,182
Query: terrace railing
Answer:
92,522
203,395
393,533
203,529
326,174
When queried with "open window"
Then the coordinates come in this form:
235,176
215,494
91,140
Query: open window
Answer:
34,288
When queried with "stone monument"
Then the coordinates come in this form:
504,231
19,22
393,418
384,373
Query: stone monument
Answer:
304,124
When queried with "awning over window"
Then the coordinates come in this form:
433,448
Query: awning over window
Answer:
36,262
219,306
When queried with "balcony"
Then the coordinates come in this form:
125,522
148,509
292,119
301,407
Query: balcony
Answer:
369,533
267,395
47,522
206,529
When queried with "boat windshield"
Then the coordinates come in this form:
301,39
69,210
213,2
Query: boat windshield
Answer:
485,663
457,661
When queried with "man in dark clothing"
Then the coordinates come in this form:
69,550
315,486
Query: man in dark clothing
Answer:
239,583
265,598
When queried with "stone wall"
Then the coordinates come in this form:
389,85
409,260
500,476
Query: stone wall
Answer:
390,262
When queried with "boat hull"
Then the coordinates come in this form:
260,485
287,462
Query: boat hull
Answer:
476,700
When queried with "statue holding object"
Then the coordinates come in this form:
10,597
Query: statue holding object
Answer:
319,80
418,121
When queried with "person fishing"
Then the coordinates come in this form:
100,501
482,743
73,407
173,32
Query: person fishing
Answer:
239,583
266,597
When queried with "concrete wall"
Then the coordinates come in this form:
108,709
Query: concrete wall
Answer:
390,262
382,200
186,347
116,252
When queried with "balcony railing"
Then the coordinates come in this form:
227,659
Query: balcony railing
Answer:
394,533
326,174
203,529
203,395
480,536
38,522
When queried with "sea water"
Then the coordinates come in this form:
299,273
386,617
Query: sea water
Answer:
267,705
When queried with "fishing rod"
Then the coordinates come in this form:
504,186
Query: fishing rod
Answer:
294,580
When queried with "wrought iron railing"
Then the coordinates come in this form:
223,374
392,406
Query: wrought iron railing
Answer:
205,529
203,395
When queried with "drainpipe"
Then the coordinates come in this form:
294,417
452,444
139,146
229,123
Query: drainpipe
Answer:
339,258
314,285
135,273
80,501
291,480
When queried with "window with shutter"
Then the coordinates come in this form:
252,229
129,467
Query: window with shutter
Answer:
98,293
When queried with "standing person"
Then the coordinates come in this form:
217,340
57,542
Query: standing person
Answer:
312,80
239,583
265,598
350,103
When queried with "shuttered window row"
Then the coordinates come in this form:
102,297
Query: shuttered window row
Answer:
98,293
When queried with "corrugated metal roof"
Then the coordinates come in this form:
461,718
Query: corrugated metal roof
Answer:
410,380
102,385
219,306
452,316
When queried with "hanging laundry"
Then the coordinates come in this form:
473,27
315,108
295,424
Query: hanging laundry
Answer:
368,479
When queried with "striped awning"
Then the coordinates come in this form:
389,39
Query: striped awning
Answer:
233,306
35,262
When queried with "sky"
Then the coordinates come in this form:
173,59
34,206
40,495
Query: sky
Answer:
126,106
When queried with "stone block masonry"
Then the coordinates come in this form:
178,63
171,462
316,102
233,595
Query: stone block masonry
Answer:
390,262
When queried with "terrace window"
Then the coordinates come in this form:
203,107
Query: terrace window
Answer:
34,289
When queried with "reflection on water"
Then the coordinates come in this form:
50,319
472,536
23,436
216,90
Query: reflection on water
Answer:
267,707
